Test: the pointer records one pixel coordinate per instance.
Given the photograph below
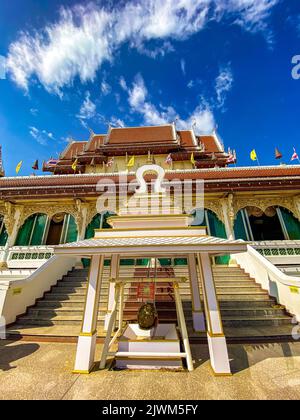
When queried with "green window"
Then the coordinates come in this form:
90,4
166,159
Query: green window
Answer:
72,233
24,234
180,261
38,229
3,233
98,222
95,224
33,230
292,225
240,231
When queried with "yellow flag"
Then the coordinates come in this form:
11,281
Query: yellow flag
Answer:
130,164
193,159
74,165
253,155
18,167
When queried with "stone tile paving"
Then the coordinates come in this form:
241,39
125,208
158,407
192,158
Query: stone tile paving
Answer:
44,371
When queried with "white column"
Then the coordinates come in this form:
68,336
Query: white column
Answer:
86,345
114,272
215,334
197,312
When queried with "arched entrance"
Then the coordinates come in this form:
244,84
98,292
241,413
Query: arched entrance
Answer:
275,223
39,229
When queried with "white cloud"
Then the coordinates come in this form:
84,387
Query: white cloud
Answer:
223,85
105,88
155,52
88,108
251,14
202,117
34,111
117,122
123,83
182,65
138,93
41,136
87,35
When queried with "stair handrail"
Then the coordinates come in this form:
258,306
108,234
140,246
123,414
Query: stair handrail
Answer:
286,289
17,295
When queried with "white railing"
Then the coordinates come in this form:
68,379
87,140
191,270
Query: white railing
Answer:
286,289
279,252
17,295
28,256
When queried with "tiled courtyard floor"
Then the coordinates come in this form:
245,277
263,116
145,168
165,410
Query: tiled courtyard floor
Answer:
44,371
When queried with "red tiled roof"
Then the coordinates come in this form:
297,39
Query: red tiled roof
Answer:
210,143
95,142
187,138
73,149
141,135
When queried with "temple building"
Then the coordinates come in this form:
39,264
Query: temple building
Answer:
257,287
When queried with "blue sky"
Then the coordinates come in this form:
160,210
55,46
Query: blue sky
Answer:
72,66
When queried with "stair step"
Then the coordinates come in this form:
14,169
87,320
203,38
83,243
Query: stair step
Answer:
242,302
256,321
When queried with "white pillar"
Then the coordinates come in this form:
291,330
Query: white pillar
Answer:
197,312
215,334
114,272
86,345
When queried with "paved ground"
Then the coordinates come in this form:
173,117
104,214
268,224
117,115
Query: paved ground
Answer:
43,371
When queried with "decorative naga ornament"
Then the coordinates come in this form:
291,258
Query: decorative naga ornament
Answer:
58,218
147,316
270,212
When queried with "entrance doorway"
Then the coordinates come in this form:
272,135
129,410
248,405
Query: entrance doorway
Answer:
55,229
266,227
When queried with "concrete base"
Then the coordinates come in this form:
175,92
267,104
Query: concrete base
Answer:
85,354
162,339
199,322
219,355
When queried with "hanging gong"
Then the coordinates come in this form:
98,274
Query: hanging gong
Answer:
147,316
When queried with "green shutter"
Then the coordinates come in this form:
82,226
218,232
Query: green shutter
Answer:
165,262
180,261
105,225
24,233
39,228
127,262
95,224
72,231
239,227
217,229
291,223
142,262
3,233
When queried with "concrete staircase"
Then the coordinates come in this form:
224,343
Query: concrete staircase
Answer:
246,309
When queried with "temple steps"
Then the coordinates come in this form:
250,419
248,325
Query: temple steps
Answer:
243,304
